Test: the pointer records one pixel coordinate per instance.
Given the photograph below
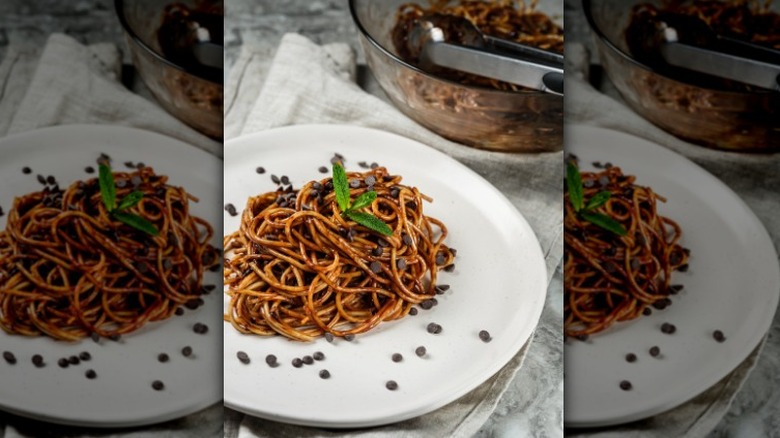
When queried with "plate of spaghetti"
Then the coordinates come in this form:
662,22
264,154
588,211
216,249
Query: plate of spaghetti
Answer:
670,280
109,249
356,274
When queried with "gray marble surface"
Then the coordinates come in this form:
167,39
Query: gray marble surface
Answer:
754,412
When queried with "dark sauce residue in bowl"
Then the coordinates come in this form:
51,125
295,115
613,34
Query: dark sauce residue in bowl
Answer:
500,19
179,33
700,24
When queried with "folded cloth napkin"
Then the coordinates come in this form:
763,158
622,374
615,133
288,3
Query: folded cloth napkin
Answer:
586,105
307,83
71,83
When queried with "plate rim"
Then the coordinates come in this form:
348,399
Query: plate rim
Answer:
93,129
336,129
768,247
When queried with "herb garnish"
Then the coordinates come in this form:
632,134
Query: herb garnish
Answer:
108,193
585,211
350,209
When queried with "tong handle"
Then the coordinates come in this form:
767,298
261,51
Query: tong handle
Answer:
724,65
517,71
510,47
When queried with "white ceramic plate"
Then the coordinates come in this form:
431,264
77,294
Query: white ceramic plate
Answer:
121,395
732,285
499,285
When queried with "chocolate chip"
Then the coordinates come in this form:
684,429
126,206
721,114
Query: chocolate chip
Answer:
325,374
37,360
668,328
718,336
271,361
318,355
329,337
647,311
625,385
349,338
655,351
162,357
413,311
420,351
243,357
74,360
407,239
391,385
200,328
449,268
63,362
397,357
441,288
375,267
260,170
400,264
434,328
9,357
187,351
308,360
297,362
91,374
323,169
484,335
158,385
631,357
26,170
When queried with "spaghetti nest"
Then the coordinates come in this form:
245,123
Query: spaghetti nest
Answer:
608,277
68,270
298,268
514,20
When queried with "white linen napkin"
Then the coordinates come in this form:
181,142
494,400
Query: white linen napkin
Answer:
586,105
72,83
307,83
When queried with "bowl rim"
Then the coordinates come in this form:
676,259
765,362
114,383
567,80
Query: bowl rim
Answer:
118,7
587,10
375,43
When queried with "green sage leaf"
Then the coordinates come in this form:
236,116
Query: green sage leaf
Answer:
107,187
130,200
136,222
574,184
363,200
598,199
604,222
370,221
341,186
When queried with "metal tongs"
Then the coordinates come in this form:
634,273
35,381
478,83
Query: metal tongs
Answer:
483,55
720,56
